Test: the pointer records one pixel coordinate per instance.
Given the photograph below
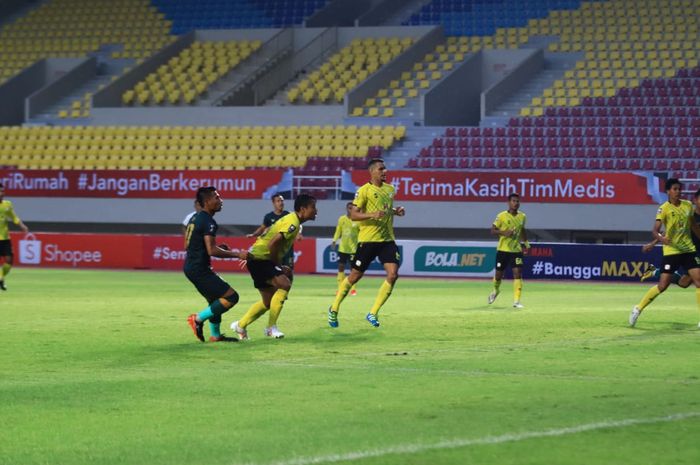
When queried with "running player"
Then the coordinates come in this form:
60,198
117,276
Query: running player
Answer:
7,214
346,230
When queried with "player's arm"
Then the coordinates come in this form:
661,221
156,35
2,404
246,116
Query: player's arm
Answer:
358,215
496,231
222,251
523,238
17,221
336,235
656,233
258,232
649,246
399,211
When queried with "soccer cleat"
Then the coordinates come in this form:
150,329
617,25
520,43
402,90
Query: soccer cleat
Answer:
242,332
634,315
372,320
492,297
332,318
518,305
648,273
222,338
353,292
2,285
272,331
197,326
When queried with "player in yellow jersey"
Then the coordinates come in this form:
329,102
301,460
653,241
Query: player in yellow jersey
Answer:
509,226
676,218
265,265
7,214
346,230
374,209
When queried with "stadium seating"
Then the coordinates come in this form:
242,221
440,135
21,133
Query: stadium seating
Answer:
188,75
74,28
187,15
345,69
190,147
653,127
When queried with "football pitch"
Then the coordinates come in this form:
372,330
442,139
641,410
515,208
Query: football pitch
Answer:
100,367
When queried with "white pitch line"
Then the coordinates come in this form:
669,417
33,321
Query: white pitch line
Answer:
486,440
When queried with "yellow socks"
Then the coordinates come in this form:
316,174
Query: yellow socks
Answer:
697,296
276,306
5,270
343,290
340,277
517,289
253,313
649,297
383,294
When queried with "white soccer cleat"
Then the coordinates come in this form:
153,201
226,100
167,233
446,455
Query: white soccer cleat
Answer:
492,297
518,305
272,331
634,315
242,332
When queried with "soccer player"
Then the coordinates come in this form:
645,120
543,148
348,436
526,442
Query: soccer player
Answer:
373,208
676,218
200,243
189,216
346,230
271,277
682,280
509,226
269,219
7,214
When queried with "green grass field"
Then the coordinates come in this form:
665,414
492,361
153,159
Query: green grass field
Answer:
101,368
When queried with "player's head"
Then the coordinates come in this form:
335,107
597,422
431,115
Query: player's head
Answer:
305,207
278,202
514,201
673,188
696,197
377,169
208,199
348,207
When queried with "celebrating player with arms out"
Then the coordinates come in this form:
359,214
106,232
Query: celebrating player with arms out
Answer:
270,276
675,216
200,242
373,208
509,226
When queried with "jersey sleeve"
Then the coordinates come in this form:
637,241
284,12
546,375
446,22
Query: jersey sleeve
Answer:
208,228
267,220
287,227
11,213
661,214
338,229
361,198
498,223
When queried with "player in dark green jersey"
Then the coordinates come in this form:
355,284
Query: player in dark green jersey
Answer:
675,217
200,243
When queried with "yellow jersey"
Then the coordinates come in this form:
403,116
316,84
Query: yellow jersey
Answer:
369,199
676,221
7,214
346,231
505,221
289,227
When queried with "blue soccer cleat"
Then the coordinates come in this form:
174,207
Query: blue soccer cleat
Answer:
372,320
332,318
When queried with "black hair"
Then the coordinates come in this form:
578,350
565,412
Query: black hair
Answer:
670,182
374,161
274,196
204,193
697,194
303,200
513,194
348,204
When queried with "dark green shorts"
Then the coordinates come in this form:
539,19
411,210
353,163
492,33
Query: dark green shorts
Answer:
208,283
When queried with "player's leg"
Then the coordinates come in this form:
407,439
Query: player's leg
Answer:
669,266
262,272
389,257
5,270
282,286
220,306
694,274
221,298
342,258
366,252
517,280
498,277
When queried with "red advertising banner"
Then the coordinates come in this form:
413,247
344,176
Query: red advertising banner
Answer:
544,187
52,250
174,184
